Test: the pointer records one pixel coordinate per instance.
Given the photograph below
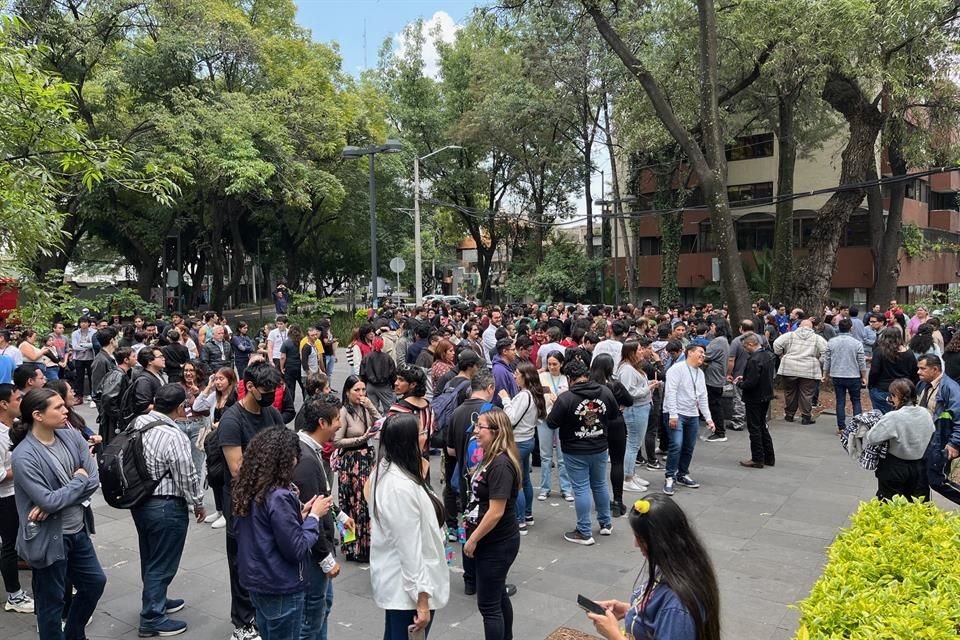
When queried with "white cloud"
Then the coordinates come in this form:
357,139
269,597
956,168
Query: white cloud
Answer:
439,24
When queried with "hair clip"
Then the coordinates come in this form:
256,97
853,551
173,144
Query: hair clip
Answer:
641,506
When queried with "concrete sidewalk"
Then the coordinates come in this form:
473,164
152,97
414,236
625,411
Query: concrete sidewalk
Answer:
766,531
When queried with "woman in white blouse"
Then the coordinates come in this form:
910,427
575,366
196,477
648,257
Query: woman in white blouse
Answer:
553,383
631,376
525,410
408,566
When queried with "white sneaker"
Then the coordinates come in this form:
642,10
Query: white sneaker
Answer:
220,523
634,487
640,481
93,405
19,604
607,530
213,517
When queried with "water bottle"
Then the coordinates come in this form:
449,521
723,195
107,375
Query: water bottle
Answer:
461,529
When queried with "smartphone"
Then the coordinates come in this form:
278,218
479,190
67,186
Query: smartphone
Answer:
413,634
590,606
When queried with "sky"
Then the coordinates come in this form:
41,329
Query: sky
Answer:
359,27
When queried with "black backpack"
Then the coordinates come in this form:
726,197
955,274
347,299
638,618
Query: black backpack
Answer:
216,463
124,478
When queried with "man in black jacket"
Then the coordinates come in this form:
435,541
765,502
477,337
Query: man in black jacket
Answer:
756,386
321,421
378,371
146,385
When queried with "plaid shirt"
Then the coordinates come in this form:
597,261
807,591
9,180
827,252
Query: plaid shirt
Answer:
167,449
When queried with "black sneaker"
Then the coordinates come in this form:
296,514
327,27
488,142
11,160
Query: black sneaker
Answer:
578,538
469,589
174,605
510,590
715,437
164,629
688,482
654,465
807,420
788,418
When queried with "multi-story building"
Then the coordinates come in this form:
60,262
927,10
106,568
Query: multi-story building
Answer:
932,205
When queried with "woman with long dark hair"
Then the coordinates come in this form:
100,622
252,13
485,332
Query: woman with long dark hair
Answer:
194,381
493,538
524,411
74,420
217,397
408,568
601,372
631,375
411,388
679,598
554,383
275,534
358,424
891,360
55,475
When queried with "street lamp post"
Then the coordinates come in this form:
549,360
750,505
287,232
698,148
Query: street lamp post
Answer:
390,146
418,251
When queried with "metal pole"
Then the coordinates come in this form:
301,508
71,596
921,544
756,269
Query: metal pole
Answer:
616,281
373,233
180,272
417,251
259,302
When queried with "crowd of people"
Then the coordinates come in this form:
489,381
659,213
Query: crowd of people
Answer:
601,398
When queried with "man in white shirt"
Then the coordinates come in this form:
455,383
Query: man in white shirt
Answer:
275,340
685,398
613,345
490,333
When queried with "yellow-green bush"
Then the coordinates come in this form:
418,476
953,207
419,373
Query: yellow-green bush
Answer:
894,574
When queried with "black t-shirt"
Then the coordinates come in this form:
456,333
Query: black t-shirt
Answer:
455,435
292,351
237,428
582,415
495,481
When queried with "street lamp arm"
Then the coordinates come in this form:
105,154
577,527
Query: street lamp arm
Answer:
433,153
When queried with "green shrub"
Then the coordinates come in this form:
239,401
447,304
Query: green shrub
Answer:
893,574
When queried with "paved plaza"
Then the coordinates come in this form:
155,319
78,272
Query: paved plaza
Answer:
766,531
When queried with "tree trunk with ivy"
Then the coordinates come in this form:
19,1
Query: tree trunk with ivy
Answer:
782,289
671,231
886,247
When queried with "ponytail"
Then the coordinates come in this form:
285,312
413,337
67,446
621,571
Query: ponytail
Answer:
17,433
34,400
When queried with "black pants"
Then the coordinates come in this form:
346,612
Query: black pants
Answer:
715,402
81,370
617,447
653,428
451,498
9,522
898,477
761,444
492,564
242,612
216,486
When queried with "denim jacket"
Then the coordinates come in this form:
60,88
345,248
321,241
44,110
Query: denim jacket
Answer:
37,484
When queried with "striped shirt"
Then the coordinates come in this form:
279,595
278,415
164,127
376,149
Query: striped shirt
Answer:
167,449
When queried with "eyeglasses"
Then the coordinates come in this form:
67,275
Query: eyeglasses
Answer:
490,429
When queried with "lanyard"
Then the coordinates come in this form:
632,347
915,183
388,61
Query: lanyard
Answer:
555,385
693,378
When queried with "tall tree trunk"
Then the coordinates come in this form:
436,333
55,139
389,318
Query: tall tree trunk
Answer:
887,256
865,121
671,232
588,194
710,163
783,229
618,206
146,277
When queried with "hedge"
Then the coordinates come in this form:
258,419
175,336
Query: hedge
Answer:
893,574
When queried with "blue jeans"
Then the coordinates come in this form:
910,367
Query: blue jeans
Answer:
588,475
878,398
636,418
279,616
841,387
52,373
525,496
317,603
162,531
396,622
550,443
192,429
682,441
81,567
328,362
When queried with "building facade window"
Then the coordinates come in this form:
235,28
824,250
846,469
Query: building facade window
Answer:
749,147
756,193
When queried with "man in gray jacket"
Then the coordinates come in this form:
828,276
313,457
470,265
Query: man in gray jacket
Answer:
843,361
217,352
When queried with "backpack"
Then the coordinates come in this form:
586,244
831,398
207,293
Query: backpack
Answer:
112,389
472,452
216,463
128,406
124,478
444,404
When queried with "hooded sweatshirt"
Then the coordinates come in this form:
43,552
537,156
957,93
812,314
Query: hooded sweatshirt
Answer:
582,415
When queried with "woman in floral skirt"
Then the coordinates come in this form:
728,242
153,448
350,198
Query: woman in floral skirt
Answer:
358,419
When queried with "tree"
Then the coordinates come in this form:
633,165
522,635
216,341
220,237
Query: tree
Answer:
562,276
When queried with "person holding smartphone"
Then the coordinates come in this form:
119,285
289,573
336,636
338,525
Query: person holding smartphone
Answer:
275,532
493,539
678,598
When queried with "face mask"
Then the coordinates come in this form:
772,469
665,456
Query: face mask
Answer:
266,399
